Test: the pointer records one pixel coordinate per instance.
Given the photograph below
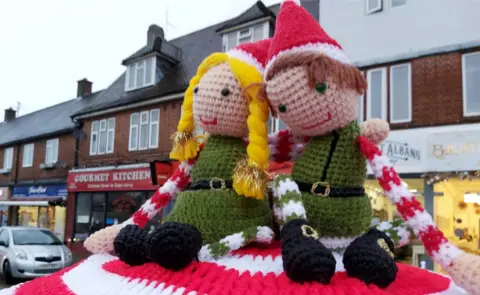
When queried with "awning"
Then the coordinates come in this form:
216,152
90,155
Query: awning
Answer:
24,203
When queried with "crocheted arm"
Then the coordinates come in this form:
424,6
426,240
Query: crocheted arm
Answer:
376,130
284,146
462,267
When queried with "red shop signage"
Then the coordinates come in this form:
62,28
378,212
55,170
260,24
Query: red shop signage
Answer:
114,180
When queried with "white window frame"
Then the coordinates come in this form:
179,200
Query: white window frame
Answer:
132,69
54,143
134,126
384,92
28,152
152,123
266,34
249,35
409,99
8,158
466,113
140,124
110,129
94,145
375,9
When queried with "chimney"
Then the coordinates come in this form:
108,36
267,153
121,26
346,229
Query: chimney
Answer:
10,115
153,33
84,87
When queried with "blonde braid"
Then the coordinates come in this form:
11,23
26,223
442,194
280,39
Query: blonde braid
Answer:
185,144
250,175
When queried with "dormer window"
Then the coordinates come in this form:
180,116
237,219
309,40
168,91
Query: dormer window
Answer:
249,34
140,74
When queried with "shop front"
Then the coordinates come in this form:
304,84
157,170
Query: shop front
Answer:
4,194
100,197
39,206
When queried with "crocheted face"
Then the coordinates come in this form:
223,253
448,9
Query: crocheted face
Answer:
219,105
311,97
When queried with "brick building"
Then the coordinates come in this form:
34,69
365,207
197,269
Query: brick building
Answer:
423,77
36,153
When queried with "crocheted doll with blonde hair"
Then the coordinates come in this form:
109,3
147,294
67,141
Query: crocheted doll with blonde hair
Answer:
224,206
314,88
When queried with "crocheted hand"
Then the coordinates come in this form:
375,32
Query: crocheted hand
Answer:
376,130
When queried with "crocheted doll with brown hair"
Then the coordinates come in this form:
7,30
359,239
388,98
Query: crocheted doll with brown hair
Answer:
224,207
311,83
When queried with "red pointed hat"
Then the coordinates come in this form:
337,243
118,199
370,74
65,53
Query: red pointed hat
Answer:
297,31
254,53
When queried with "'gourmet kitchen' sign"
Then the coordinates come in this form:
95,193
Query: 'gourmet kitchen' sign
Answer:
111,180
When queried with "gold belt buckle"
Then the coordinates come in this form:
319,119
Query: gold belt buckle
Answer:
325,184
223,185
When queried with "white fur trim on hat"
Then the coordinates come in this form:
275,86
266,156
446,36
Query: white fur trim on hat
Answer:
246,57
327,49
295,1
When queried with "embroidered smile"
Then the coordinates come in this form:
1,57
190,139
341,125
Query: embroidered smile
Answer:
319,123
208,122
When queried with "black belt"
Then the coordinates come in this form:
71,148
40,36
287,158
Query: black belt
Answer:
215,184
325,190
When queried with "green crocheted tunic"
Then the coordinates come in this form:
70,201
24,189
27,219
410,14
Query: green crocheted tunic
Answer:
335,159
219,213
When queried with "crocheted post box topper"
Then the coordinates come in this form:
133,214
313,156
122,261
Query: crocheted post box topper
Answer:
314,88
224,206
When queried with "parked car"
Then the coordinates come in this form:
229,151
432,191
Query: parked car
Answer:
29,252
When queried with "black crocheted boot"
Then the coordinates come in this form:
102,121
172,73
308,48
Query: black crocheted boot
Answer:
129,245
370,258
305,258
174,245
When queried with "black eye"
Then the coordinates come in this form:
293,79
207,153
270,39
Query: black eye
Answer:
282,108
321,87
195,90
225,91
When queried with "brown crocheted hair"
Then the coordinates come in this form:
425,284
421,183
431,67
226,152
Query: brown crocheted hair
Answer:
320,66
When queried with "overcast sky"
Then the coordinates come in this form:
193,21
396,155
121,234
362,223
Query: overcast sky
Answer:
47,45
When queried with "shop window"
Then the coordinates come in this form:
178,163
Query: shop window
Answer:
471,87
82,215
51,154
377,94
144,130
400,93
122,205
28,155
7,158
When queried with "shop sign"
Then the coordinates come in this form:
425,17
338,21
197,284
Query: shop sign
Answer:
40,191
454,150
111,180
405,149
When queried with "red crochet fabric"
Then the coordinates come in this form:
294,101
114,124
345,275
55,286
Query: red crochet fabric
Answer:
249,271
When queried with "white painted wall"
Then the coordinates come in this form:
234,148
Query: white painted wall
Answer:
417,26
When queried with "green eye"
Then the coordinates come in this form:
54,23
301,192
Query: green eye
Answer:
282,108
321,87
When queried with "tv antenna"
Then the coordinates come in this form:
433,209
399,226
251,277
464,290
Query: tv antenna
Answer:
18,107
167,23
